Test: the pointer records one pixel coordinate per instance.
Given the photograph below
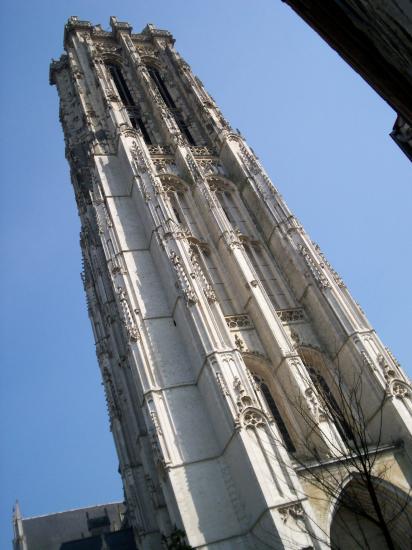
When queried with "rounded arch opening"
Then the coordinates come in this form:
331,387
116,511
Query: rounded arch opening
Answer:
355,520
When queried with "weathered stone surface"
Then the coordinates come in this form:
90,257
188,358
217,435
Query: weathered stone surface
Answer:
215,316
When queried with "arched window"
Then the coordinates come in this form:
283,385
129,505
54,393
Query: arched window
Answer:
233,213
128,101
168,99
161,86
355,515
182,212
264,273
210,267
275,413
311,363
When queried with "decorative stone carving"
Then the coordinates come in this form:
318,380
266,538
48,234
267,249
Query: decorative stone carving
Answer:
98,221
291,315
367,361
290,224
151,488
128,319
253,418
231,238
221,383
214,183
294,511
160,150
130,132
184,282
138,157
147,196
391,355
249,160
243,398
399,389
157,450
314,267
111,396
208,167
147,51
240,343
295,337
338,280
202,150
177,137
314,404
189,361
102,347
194,169
164,165
106,215
156,424
236,322
106,47
207,287
388,371
116,266
174,230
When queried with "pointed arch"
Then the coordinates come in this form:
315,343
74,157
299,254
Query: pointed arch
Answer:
180,204
353,517
151,61
112,57
217,181
314,361
159,81
120,84
172,180
259,368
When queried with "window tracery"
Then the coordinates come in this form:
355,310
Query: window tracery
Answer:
233,213
126,97
181,210
270,402
313,365
170,103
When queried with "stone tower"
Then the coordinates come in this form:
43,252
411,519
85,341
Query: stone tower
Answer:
227,344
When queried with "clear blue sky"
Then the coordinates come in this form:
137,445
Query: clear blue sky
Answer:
319,130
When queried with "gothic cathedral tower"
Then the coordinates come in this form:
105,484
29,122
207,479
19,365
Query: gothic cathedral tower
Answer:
227,343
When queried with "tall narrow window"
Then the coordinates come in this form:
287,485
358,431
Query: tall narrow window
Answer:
311,362
331,403
128,101
167,98
266,275
176,213
210,267
275,413
182,211
233,213
161,86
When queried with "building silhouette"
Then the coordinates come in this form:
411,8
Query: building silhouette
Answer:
94,528
375,38
227,343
